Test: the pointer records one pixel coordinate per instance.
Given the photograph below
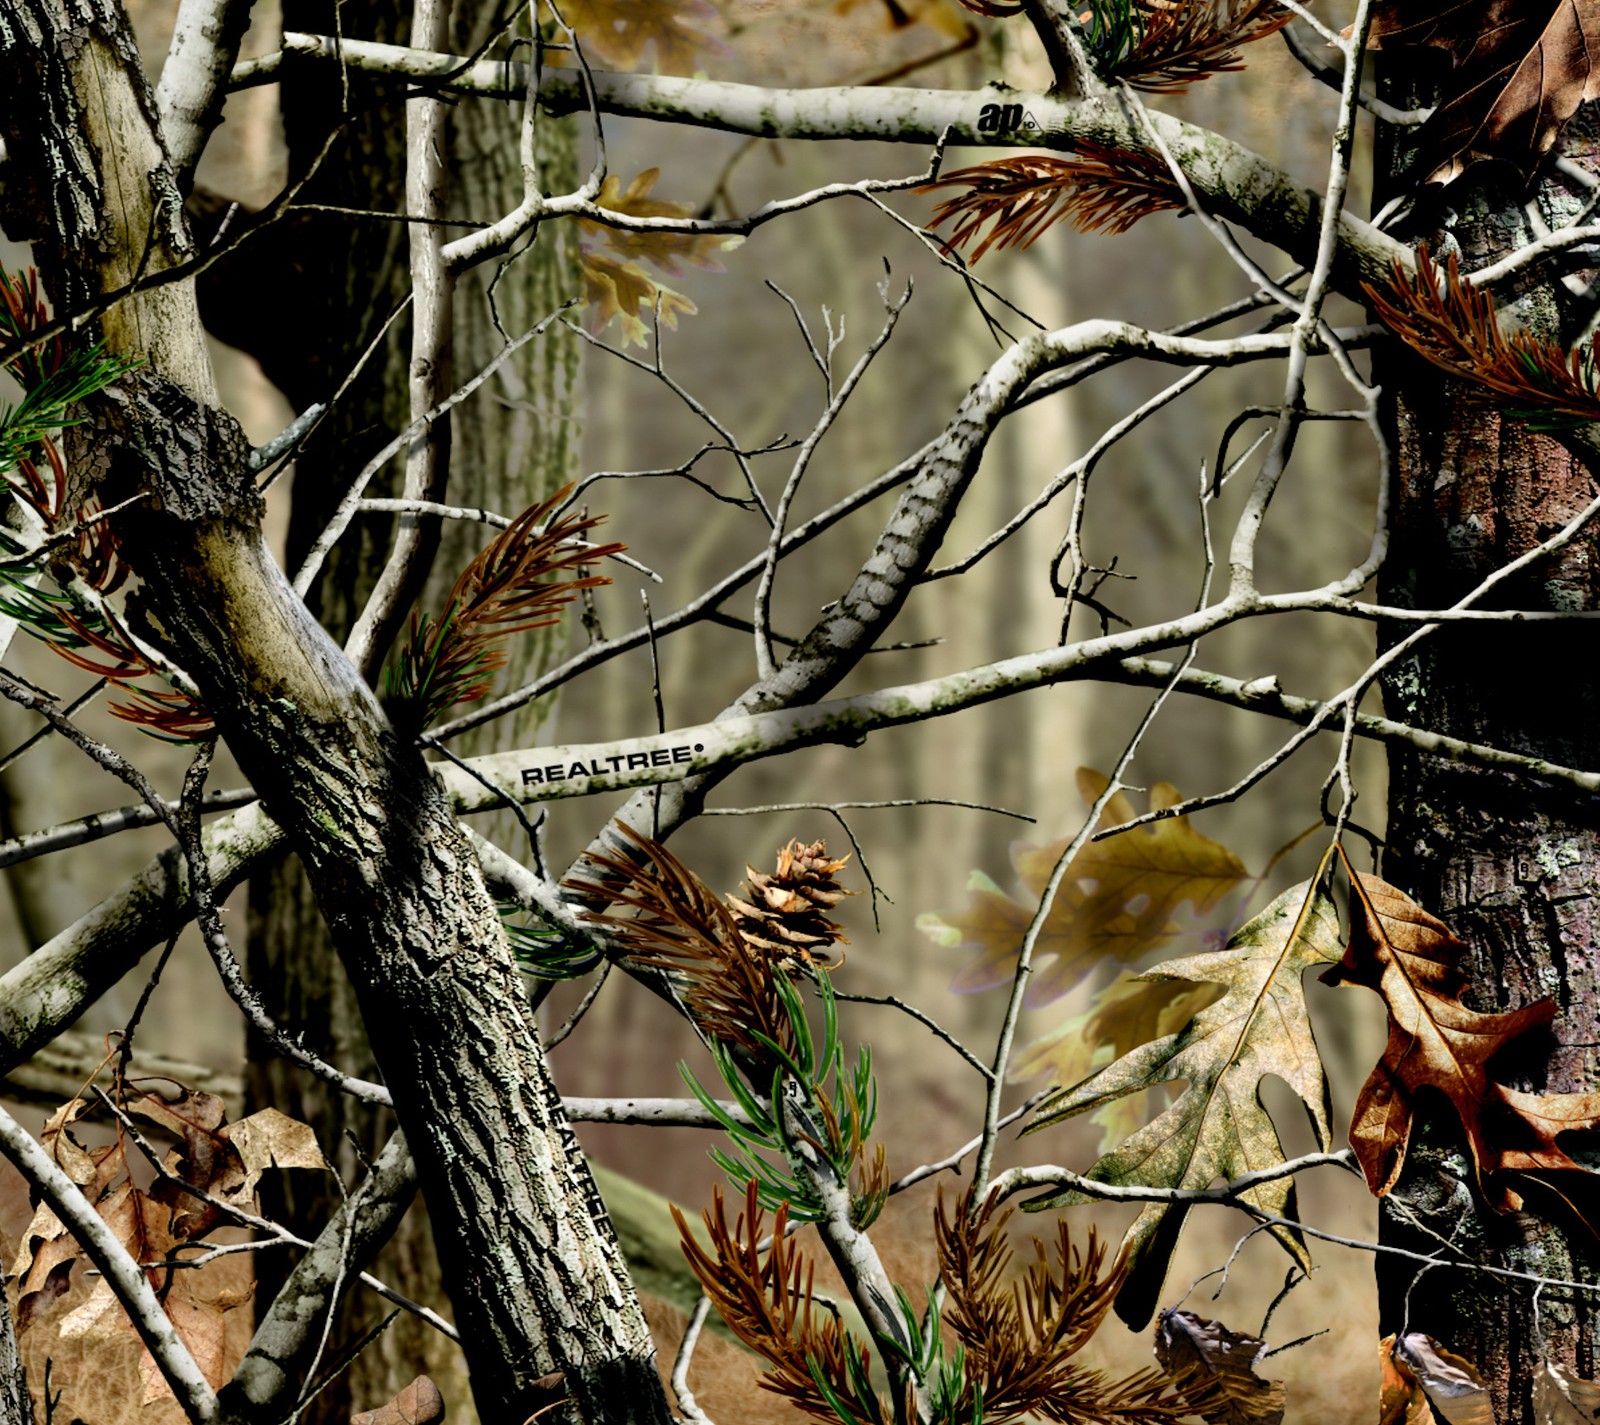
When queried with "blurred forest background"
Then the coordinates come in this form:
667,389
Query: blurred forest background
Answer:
743,357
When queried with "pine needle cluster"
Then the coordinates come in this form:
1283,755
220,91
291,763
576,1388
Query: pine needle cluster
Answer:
1453,325
511,586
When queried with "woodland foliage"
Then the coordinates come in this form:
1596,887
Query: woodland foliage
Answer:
1166,1045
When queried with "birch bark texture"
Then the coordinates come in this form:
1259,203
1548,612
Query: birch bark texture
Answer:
529,1258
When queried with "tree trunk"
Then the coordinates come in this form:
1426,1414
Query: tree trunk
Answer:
1512,867
517,444
533,1269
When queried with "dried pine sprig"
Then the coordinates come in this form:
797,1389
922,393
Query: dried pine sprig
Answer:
1100,189
76,622
1019,1337
1164,46
767,1303
1454,326
509,587
681,926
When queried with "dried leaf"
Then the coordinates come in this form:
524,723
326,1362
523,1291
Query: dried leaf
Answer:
1400,1397
1226,1359
1218,1127
270,1139
420,1403
197,1310
1453,1387
1100,189
1454,326
1118,900
614,288
1560,1398
1129,1012
1520,69
620,32
665,250
945,16
1410,958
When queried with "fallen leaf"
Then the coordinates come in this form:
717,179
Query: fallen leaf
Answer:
1563,1399
1129,1012
1218,1127
1519,71
1225,1360
1400,1396
197,1309
420,1403
270,1139
1411,959
1118,900
1453,1386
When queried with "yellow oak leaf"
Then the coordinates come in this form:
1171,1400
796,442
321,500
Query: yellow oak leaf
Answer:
619,32
1129,1012
615,288
667,251
1118,901
1218,1127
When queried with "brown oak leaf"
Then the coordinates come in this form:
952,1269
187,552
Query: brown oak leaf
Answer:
1435,1042
1519,70
1118,901
1224,1360
614,287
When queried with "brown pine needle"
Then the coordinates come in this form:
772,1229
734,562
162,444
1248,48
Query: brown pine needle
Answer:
1453,325
1100,189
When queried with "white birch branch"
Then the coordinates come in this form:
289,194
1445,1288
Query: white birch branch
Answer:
1236,184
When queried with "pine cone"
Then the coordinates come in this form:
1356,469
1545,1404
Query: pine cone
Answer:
786,915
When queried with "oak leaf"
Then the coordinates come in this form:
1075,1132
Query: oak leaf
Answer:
1435,1042
1218,1127
1422,1383
1117,902
1519,71
620,32
616,288
1129,1012
1225,1360
666,250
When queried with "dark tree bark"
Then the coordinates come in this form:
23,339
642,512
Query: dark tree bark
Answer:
516,443
1511,866
538,1282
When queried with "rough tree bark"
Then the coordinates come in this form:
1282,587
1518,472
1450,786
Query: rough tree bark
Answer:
1512,867
532,1266
519,444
